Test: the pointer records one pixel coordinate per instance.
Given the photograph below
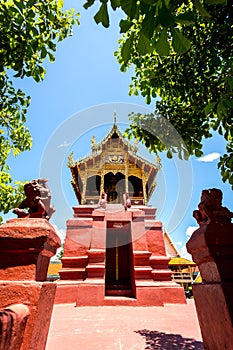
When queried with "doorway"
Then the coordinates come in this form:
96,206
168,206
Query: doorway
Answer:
114,186
119,275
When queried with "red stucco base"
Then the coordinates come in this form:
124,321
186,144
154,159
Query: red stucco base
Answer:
146,295
83,294
84,273
215,322
39,298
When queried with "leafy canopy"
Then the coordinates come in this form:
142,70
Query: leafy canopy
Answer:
181,52
29,33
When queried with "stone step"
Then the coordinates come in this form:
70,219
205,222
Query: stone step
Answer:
96,256
119,300
80,261
159,262
161,275
142,272
141,258
95,270
73,274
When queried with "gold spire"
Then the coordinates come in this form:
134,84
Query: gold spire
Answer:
115,119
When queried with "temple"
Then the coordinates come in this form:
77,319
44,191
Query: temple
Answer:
115,249
113,167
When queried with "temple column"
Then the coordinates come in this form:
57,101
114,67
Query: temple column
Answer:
102,183
102,175
126,178
144,181
84,186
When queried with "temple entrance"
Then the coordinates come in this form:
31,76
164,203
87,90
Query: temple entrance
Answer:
119,260
114,186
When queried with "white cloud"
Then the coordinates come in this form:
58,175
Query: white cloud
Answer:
185,254
179,243
209,157
190,229
64,144
183,251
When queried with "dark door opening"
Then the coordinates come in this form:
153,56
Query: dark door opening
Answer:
114,186
119,261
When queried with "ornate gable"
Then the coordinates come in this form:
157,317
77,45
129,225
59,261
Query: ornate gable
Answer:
113,167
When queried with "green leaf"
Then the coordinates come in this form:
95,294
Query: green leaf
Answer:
51,45
231,179
51,57
169,154
102,15
165,17
179,42
186,18
31,3
19,4
224,176
115,4
230,83
35,31
198,153
127,49
201,9
31,14
88,4
149,23
125,24
221,109
43,52
215,124
60,3
129,7
143,45
209,108
215,2
162,46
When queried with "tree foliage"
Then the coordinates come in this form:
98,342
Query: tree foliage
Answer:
29,33
181,52
60,253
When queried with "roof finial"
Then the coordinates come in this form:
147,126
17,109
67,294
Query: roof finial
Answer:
115,118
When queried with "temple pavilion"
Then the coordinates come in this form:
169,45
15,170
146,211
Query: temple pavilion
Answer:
113,167
115,251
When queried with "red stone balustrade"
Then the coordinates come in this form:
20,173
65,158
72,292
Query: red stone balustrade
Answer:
211,247
26,246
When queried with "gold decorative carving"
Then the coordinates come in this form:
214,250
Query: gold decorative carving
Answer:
93,143
113,158
71,162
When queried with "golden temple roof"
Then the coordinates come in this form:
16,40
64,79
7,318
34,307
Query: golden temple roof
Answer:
114,155
181,261
97,149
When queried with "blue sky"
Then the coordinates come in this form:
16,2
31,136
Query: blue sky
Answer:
77,99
